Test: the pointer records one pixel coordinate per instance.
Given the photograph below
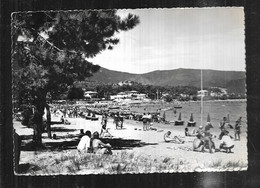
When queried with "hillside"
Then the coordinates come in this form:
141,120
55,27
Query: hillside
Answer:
232,80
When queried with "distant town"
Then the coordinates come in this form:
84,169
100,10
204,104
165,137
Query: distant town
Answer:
130,92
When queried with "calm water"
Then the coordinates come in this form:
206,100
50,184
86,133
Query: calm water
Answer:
216,109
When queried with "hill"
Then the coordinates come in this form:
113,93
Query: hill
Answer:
232,80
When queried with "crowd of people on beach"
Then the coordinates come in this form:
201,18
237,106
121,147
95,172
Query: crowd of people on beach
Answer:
203,138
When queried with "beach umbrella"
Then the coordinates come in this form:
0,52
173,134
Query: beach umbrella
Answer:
208,118
179,117
191,117
191,122
179,121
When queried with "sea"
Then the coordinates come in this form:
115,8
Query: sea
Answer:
216,110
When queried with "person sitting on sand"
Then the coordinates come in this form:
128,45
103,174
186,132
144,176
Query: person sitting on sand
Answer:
226,143
175,139
198,143
105,134
192,133
98,146
84,144
199,132
151,127
66,122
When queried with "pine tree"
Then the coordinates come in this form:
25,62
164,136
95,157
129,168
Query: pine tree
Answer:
50,51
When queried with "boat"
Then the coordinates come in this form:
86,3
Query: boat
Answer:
177,106
191,122
179,122
167,109
114,107
91,118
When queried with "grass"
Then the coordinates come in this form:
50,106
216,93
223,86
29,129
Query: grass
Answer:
72,162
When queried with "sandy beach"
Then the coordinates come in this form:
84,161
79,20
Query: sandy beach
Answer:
149,144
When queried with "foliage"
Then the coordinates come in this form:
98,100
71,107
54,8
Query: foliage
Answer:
122,162
50,51
75,93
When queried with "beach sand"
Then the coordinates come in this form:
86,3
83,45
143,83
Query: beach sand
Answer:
151,143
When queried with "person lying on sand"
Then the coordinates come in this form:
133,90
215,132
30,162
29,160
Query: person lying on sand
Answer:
226,143
84,144
98,146
175,139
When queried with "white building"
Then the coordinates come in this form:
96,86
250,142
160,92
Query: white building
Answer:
203,93
90,94
129,96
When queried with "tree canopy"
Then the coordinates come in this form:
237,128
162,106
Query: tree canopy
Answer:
50,50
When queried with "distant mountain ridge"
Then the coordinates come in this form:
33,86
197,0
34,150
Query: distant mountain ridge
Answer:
233,80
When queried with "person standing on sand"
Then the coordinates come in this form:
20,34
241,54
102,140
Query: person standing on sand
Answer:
149,121
238,129
84,144
99,147
103,122
145,120
208,143
116,119
223,127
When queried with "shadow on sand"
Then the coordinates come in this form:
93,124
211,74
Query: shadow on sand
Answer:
116,143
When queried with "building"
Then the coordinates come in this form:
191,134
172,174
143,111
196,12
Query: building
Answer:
203,93
129,95
126,82
90,94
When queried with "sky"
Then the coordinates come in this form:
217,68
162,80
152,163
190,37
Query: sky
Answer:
165,39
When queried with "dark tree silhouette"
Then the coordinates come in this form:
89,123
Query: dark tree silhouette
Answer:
50,51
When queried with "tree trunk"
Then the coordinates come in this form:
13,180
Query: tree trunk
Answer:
37,127
40,104
48,117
